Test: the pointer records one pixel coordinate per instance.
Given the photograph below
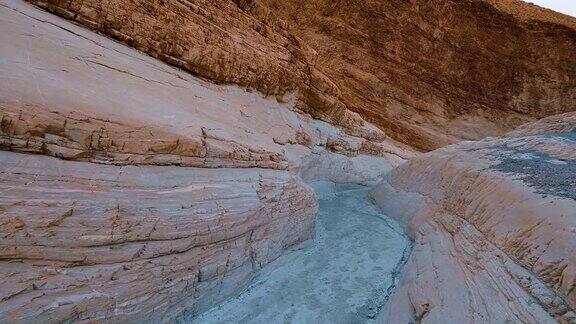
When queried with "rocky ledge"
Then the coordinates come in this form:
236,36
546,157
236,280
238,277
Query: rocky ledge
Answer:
494,226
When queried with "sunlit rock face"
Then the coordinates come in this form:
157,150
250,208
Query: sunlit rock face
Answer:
132,190
493,224
426,73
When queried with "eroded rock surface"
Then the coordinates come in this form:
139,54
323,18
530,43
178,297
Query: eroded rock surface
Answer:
494,226
427,73
89,241
77,95
131,190
345,276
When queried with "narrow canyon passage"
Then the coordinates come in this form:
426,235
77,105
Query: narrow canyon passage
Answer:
184,161
345,276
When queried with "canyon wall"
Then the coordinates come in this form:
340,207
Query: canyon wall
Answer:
85,241
427,73
493,224
132,190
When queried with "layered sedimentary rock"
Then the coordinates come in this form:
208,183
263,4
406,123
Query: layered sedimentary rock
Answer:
90,241
79,96
427,73
131,190
493,224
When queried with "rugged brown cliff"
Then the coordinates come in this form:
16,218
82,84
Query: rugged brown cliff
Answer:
428,73
131,189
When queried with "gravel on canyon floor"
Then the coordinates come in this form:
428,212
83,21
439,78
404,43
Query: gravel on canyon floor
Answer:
546,174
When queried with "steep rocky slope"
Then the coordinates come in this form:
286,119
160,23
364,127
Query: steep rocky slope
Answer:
427,73
494,225
131,190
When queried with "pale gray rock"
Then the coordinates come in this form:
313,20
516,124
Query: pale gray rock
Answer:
493,224
338,168
345,276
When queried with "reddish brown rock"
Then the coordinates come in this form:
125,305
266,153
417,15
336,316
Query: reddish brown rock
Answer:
427,73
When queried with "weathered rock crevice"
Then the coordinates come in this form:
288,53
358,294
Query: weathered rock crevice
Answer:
353,241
